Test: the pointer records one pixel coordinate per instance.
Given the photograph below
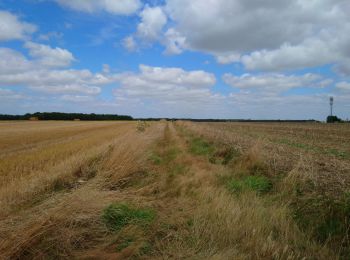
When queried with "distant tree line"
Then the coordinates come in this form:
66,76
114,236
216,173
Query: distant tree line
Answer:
105,117
66,116
229,120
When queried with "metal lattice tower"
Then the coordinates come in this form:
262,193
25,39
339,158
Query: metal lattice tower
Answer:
331,101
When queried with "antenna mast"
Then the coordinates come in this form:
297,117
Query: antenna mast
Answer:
331,101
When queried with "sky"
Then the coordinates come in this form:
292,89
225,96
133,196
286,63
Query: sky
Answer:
271,59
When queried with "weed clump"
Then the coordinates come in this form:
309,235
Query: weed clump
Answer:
224,155
199,146
116,216
156,159
260,184
141,126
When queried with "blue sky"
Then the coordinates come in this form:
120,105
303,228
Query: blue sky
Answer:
274,59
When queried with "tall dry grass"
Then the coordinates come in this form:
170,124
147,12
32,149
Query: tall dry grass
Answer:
313,186
68,223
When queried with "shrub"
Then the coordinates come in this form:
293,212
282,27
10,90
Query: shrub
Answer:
333,119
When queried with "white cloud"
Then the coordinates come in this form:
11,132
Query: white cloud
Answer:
172,92
57,81
343,86
12,61
343,68
228,58
77,98
6,94
167,86
310,53
17,70
50,57
258,106
50,35
275,83
11,28
175,43
149,30
66,89
236,25
129,43
177,77
118,7
153,19
106,69
271,35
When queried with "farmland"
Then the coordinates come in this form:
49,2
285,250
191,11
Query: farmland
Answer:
170,190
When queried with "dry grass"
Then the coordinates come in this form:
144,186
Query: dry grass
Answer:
58,179
312,184
69,220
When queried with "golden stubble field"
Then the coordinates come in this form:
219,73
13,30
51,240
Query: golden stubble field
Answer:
174,190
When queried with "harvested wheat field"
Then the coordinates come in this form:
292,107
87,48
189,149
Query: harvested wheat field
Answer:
174,190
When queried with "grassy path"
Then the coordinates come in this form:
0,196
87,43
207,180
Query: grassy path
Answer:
201,217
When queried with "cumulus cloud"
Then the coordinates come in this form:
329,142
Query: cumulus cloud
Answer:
160,91
11,28
175,43
12,61
17,70
164,78
236,25
149,30
119,7
66,89
57,81
166,85
271,35
310,53
275,83
153,19
50,57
